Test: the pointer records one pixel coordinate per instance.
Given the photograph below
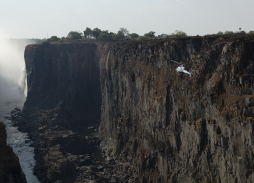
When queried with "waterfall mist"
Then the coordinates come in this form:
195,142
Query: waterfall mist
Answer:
12,71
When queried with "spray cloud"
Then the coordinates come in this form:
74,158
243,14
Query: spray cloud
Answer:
12,71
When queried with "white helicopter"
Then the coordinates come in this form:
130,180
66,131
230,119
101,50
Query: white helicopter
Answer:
181,68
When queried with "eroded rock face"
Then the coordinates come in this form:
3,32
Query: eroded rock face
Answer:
157,125
64,76
10,170
166,127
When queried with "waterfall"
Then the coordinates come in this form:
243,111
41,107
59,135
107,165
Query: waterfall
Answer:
23,82
12,72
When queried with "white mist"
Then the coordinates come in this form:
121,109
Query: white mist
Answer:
12,72
13,90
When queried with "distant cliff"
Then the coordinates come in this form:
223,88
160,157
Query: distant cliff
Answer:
10,170
159,126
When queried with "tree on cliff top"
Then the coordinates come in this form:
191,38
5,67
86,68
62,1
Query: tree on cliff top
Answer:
53,39
179,34
106,36
124,31
150,34
87,32
74,35
228,32
96,33
251,32
119,35
142,38
134,36
162,36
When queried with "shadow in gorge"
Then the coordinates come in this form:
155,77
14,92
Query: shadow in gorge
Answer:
83,129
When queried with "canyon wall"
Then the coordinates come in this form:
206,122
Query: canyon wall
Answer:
10,170
164,127
64,76
156,125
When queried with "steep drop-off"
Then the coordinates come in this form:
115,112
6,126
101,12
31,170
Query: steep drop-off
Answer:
64,76
164,127
157,125
10,170
63,95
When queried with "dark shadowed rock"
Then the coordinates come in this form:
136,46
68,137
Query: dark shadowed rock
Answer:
64,76
10,170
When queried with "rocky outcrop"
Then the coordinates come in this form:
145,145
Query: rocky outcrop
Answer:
66,76
62,154
10,170
164,127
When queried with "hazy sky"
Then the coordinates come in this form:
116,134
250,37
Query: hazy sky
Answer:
37,18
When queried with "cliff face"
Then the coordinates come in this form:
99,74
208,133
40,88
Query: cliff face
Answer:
64,76
10,170
161,126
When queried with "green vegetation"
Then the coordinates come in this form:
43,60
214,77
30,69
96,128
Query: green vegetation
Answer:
88,33
46,42
179,34
124,31
63,39
105,36
119,35
122,34
142,38
53,39
97,34
74,35
162,36
150,34
134,36
228,32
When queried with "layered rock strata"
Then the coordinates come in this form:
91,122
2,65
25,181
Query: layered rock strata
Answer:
164,127
10,170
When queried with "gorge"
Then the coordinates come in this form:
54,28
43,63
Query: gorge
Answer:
152,124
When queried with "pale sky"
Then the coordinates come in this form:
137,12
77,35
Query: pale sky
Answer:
39,18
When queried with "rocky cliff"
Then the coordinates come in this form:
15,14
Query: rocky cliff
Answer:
64,76
10,170
164,127
156,126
